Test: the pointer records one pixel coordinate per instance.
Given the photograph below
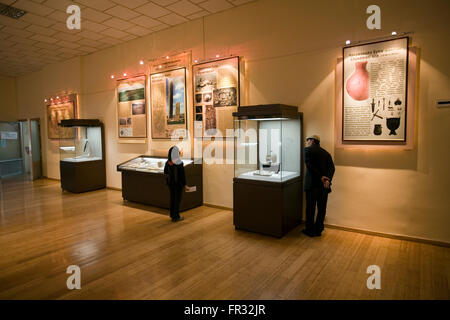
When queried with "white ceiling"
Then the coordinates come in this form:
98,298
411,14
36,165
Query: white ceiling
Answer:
41,36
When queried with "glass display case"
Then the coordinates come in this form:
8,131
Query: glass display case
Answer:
148,164
144,181
267,168
82,155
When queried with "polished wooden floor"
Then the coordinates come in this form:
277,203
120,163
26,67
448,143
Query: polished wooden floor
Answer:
128,251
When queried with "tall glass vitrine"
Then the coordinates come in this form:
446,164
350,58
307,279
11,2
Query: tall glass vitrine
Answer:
82,155
267,185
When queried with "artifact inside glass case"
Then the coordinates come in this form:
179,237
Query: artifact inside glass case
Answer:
85,146
82,157
147,164
267,184
267,148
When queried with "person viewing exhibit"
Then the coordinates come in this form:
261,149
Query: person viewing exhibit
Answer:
176,181
319,173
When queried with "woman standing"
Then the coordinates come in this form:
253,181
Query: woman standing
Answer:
176,181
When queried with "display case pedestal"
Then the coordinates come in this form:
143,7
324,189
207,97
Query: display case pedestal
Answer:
80,177
271,208
150,188
82,156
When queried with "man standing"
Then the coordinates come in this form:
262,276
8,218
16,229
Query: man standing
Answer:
319,173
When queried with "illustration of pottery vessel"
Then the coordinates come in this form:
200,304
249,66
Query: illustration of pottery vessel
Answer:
358,84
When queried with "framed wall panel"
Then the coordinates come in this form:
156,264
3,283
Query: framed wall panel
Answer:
168,104
59,109
374,91
131,108
216,96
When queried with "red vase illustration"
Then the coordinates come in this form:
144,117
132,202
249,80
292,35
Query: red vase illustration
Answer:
358,84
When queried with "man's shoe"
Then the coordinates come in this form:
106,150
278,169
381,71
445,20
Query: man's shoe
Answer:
308,233
177,219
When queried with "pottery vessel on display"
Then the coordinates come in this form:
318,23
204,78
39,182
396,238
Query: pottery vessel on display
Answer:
358,84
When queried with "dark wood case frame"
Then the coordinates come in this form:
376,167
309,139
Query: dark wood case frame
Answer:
150,187
84,176
396,142
270,208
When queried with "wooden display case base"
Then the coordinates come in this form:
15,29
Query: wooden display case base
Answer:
270,208
151,189
85,176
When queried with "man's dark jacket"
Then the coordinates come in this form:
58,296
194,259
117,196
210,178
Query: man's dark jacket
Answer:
318,164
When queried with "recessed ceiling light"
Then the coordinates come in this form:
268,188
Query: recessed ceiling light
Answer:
394,33
112,76
347,42
125,74
141,62
167,57
217,55
195,61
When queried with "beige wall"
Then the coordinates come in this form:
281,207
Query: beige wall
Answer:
8,103
291,49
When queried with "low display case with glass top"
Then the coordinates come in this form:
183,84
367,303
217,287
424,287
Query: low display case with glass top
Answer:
144,181
267,184
82,155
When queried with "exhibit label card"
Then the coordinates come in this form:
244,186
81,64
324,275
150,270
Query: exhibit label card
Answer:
131,108
374,91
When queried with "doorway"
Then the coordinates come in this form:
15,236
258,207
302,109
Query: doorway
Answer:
30,133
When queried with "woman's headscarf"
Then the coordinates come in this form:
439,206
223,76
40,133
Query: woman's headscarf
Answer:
174,155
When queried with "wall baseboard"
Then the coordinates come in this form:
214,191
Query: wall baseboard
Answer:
114,188
54,179
217,207
390,235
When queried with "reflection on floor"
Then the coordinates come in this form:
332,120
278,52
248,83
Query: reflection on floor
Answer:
134,252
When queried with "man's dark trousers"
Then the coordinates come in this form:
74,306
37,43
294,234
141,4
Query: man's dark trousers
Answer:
316,197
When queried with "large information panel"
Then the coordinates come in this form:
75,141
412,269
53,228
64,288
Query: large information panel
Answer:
374,91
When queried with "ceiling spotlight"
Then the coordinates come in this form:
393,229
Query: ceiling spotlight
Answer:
51,99
112,76
125,74
45,100
195,61
141,62
394,33
167,57
217,55
347,42
160,66
57,97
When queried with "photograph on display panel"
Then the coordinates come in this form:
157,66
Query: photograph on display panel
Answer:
375,90
60,109
168,104
216,85
132,115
